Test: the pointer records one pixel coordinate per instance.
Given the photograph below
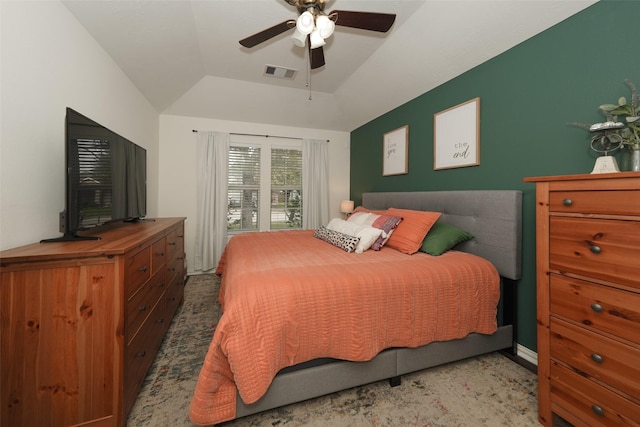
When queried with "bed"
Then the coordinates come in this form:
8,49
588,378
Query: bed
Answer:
283,364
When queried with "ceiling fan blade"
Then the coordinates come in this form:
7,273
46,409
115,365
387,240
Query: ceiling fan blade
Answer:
372,21
265,35
316,57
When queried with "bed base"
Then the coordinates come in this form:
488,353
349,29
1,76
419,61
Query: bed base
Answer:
322,377
494,217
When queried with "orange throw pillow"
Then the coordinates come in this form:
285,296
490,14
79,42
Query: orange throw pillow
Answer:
409,234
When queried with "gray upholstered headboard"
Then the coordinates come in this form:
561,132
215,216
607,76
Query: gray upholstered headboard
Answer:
494,217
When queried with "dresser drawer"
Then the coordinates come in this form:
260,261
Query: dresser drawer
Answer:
174,266
607,360
141,351
172,243
138,308
608,202
174,296
158,254
607,309
579,399
603,249
137,270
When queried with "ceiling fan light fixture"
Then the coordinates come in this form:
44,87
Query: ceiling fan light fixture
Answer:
325,25
316,39
298,38
305,23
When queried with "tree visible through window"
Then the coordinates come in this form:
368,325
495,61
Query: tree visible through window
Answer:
286,188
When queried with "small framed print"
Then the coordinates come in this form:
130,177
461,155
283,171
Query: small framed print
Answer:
456,136
395,160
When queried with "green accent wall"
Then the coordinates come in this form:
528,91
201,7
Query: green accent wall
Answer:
528,94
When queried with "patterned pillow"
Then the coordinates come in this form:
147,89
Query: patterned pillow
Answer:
367,234
343,241
386,223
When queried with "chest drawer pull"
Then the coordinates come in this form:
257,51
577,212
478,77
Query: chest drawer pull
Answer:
595,249
143,269
598,410
142,308
597,358
142,354
596,307
567,202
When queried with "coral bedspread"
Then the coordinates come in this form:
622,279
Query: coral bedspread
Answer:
288,297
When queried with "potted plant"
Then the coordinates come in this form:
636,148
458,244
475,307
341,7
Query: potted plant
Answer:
630,132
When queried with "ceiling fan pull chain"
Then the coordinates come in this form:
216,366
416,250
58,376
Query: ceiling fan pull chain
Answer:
309,73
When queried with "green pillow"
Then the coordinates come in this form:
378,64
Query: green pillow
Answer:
442,237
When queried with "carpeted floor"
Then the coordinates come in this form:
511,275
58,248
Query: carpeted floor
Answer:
489,390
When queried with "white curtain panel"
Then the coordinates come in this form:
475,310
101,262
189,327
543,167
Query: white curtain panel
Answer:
315,183
211,217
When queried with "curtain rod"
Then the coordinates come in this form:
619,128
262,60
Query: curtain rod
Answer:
257,134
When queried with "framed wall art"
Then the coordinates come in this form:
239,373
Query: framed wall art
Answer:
395,160
456,136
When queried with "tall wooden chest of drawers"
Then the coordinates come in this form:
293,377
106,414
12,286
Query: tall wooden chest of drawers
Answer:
588,298
82,321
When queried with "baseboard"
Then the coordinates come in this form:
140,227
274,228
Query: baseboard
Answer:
527,354
524,357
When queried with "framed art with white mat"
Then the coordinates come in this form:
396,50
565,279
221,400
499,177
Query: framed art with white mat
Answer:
395,157
456,136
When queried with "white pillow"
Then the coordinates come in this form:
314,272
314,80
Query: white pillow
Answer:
361,217
367,234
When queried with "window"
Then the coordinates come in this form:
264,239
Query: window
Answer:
286,188
243,188
269,168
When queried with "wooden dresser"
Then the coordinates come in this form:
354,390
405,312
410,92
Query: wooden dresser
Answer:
82,321
588,298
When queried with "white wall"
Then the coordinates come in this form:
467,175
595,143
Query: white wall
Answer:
178,164
49,62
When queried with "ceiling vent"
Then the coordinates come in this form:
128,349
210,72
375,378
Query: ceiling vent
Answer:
279,72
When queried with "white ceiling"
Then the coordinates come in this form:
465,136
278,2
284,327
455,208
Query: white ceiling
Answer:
184,55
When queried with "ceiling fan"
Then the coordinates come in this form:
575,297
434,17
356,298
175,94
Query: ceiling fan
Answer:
313,26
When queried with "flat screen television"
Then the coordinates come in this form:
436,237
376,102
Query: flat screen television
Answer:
106,178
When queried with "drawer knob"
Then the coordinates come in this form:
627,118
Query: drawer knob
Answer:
160,253
143,269
596,358
598,410
596,307
142,354
161,285
567,202
595,249
172,243
142,308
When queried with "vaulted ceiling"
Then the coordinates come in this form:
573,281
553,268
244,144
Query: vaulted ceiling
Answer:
184,55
